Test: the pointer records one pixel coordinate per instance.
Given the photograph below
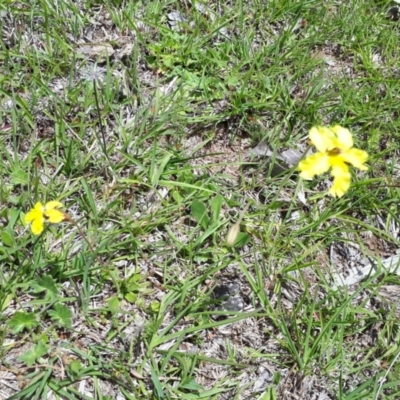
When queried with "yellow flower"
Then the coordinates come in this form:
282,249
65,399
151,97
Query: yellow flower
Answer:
39,214
335,150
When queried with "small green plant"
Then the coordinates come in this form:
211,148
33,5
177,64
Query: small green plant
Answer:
35,353
133,286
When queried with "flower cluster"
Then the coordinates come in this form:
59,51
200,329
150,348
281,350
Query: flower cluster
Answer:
335,152
39,214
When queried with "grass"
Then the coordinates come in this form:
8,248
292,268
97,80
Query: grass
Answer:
142,132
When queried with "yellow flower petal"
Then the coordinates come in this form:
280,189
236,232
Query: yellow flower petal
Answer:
54,216
356,158
37,226
31,215
322,138
340,186
52,204
51,213
344,139
339,168
341,181
35,212
315,164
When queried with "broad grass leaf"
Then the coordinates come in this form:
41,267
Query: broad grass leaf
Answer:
199,212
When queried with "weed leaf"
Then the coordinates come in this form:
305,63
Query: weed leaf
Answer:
22,320
61,315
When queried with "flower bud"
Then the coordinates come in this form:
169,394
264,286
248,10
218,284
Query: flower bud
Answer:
232,235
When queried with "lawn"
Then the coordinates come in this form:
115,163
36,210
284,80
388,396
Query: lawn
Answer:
186,258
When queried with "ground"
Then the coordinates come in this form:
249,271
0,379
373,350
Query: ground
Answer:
192,261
